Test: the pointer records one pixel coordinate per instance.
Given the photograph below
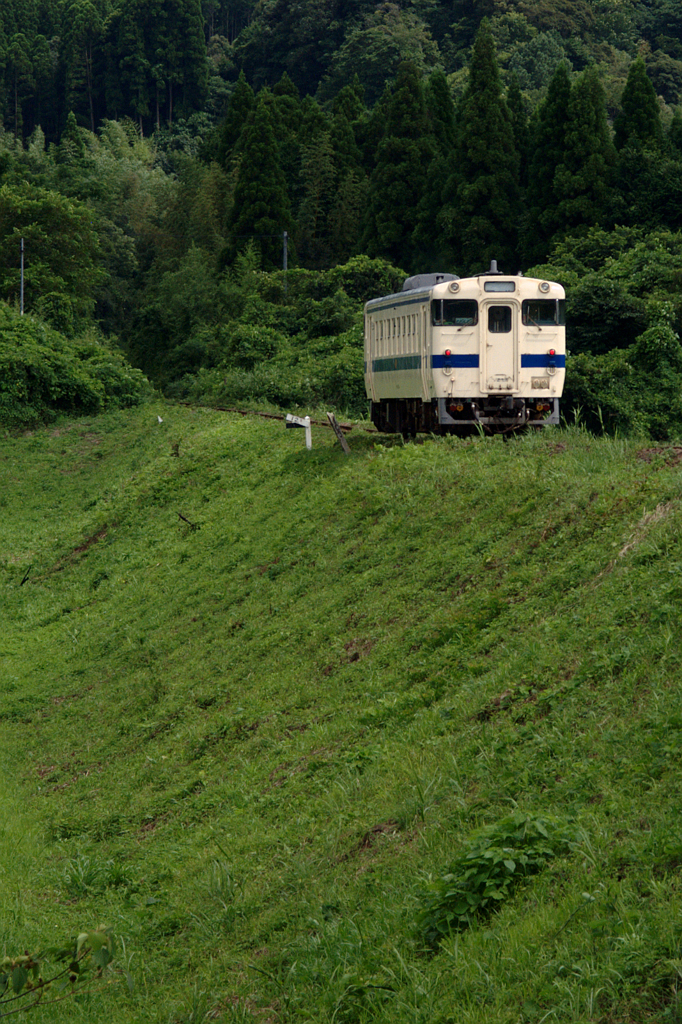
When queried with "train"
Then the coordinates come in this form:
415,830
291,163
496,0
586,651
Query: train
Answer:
451,355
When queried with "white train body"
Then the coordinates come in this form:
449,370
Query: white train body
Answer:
448,354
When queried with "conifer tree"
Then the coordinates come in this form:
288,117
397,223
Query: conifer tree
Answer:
396,184
71,149
520,127
347,215
428,239
261,209
241,103
441,111
347,155
547,134
647,193
286,113
350,100
350,190
639,122
675,132
316,185
318,181
81,32
584,179
18,61
156,57
313,119
481,219
288,102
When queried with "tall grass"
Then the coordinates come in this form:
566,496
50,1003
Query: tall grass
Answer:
252,740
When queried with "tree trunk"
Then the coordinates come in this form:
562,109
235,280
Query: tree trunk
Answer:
88,72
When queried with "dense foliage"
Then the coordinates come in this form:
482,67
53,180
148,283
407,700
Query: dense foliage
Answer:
625,312
161,160
160,60
43,374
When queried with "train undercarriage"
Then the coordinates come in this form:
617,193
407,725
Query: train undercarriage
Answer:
492,414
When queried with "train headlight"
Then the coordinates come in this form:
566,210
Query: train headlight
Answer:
447,353
544,286
453,286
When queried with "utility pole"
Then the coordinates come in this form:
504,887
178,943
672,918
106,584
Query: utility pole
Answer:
21,296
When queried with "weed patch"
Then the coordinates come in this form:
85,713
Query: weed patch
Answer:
488,870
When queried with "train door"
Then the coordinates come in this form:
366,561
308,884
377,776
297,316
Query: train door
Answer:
371,348
425,354
499,331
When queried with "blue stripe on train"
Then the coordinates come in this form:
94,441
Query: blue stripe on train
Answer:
542,361
458,362
463,361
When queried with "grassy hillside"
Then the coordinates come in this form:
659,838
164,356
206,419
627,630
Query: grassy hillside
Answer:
345,706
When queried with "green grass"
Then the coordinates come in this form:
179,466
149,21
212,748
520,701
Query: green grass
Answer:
255,741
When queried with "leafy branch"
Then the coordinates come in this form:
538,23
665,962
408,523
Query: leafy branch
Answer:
84,960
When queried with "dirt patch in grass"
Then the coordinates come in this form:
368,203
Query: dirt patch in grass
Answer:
94,538
671,455
508,700
369,839
78,552
279,775
659,514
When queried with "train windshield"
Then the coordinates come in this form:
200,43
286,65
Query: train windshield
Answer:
454,312
544,312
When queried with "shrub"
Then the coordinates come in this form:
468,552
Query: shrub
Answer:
490,867
633,391
43,374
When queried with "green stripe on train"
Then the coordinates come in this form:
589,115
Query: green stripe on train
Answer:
396,363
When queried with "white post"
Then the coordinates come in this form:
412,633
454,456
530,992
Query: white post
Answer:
21,300
298,421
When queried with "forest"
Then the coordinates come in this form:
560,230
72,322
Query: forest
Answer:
155,157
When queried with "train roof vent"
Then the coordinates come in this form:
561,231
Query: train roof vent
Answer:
493,270
427,281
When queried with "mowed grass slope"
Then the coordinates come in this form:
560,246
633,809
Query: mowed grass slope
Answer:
248,739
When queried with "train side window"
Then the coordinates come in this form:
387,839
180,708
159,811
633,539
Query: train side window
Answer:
542,312
454,312
499,319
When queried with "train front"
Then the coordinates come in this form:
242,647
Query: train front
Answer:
498,351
